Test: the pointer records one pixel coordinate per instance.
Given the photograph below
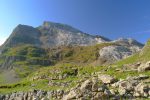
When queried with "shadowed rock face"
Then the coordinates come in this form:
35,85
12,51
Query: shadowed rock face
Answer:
23,34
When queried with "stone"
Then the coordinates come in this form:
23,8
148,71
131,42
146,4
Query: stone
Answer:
100,96
49,94
72,95
18,98
115,85
107,92
141,77
25,96
125,87
102,88
86,85
144,67
95,85
122,91
106,78
112,91
60,77
142,89
60,92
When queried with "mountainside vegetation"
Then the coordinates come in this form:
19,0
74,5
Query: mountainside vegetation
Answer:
27,58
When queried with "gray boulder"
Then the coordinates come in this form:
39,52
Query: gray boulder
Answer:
125,87
144,67
106,78
142,90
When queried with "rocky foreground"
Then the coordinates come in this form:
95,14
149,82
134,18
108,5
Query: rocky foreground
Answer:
97,87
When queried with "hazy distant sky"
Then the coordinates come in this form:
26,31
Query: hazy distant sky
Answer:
109,18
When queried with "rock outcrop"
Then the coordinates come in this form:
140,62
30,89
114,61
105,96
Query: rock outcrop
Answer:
106,78
123,49
144,67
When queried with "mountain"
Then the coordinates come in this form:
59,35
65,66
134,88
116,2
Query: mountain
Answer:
51,35
23,34
53,43
57,61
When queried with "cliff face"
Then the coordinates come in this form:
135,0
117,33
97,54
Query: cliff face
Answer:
23,34
55,34
123,49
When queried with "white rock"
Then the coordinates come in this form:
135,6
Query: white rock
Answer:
144,67
142,89
72,95
86,85
106,78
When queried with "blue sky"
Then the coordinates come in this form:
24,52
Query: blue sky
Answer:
109,18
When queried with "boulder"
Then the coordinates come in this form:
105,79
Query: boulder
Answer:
95,85
142,90
106,79
125,87
144,67
102,88
87,85
73,94
100,96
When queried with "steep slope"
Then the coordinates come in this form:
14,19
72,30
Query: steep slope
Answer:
123,49
56,34
23,34
50,35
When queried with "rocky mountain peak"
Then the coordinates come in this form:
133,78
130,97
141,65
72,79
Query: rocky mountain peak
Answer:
23,34
57,34
51,34
53,25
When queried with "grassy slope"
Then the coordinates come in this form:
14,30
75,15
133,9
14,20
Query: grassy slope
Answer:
75,55
26,83
42,83
22,66
78,55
